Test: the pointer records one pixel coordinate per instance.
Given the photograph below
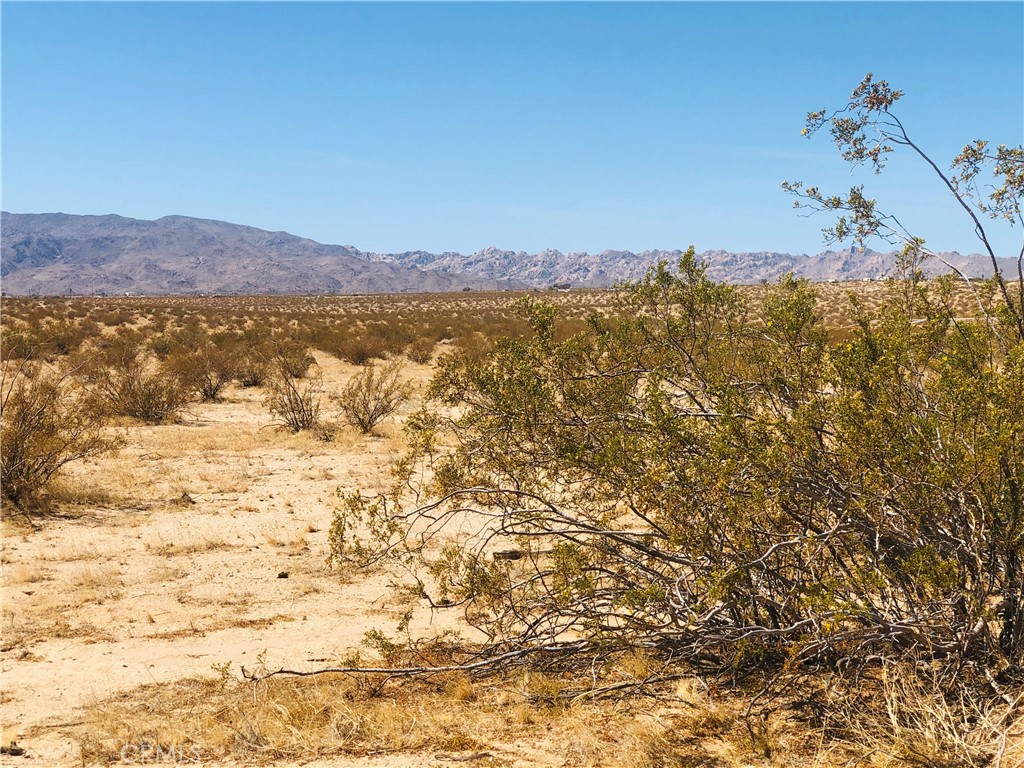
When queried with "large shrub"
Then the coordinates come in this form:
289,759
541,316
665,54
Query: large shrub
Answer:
728,491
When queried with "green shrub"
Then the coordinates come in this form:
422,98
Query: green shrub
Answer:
733,492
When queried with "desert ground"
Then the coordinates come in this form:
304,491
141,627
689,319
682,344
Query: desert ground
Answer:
150,578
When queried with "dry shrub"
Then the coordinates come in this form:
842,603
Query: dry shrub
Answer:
253,366
44,427
206,367
361,349
125,380
291,358
372,395
293,402
421,350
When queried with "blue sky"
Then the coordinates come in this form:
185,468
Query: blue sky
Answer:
454,126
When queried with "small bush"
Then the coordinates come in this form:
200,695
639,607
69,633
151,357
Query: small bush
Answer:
372,395
361,349
205,367
125,381
253,368
252,365
421,350
292,358
44,427
294,403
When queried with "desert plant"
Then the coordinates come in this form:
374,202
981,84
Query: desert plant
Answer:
124,380
732,488
291,358
294,403
360,349
44,427
205,366
372,395
421,350
866,130
254,355
900,717
731,492
253,368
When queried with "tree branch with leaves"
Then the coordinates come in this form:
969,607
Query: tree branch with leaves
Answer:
866,131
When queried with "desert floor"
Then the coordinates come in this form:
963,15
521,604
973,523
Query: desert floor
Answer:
171,563
200,548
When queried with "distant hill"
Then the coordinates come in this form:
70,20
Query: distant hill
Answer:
57,254
609,267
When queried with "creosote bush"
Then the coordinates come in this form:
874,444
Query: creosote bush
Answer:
206,365
372,395
734,487
44,426
291,358
253,366
294,402
124,379
730,492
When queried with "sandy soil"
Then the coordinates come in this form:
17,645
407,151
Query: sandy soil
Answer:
181,567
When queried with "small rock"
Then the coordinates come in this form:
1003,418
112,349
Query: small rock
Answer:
283,575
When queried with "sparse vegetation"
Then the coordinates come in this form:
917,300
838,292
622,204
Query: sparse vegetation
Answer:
124,380
197,473
205,364
697,524
372,395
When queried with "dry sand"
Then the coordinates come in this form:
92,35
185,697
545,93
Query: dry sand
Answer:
178,570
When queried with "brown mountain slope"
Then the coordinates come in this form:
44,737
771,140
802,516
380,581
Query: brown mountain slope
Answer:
56,253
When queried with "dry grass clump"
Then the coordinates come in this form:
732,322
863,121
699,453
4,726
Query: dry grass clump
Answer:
902,719
300,719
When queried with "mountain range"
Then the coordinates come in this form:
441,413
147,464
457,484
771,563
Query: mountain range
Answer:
607,268
58,254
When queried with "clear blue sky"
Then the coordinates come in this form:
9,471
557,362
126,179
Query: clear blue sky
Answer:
576,126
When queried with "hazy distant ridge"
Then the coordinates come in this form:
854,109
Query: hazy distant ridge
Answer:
57,253
610,267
